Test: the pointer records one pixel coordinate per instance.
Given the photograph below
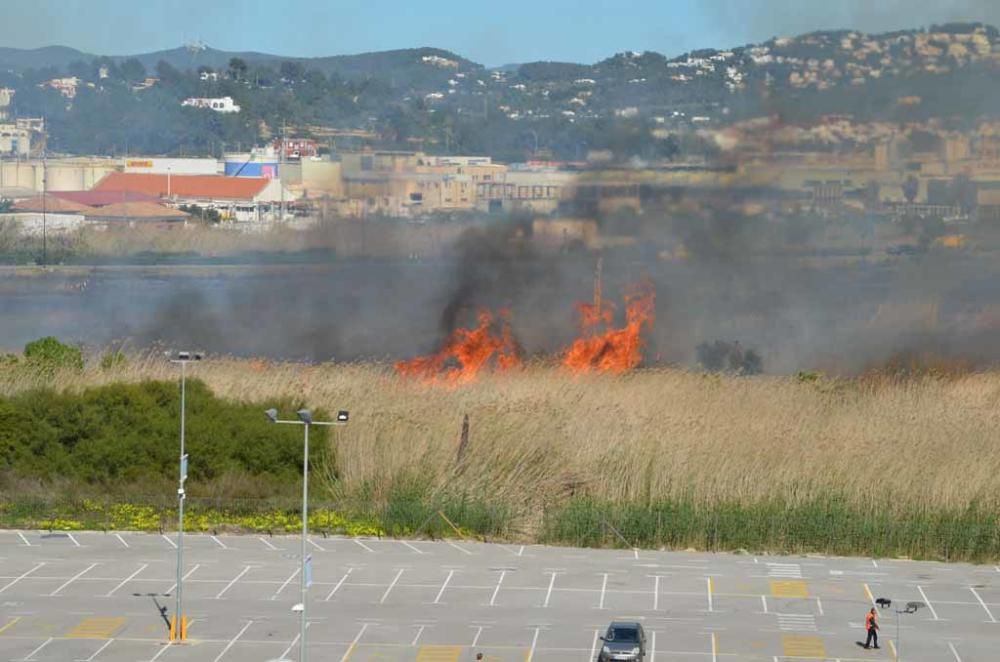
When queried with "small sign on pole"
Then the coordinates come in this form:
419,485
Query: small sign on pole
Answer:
184,467
309,571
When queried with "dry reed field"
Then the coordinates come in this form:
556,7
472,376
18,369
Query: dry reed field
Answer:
539,433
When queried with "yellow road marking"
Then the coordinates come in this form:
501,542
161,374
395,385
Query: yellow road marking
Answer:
13,621
711,585
439,653
804,647
95,628
892,645
868,592
789,589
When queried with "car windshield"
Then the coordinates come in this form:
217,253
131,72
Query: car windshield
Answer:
623,635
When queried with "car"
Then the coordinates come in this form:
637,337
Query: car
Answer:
624,640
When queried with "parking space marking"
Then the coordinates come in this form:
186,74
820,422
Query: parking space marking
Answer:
479,631
354,644
121,540
656,592
420,631
172,543
593,646
868,592
789,589
316,545
284,655
234,639
892,645
219,542
461,549
804,647
98,651
413,547
73,539
73,579
709,587
184,578
245,570
364,546
604,590
548,594
267,543
493,600
96,628
161,652
24,539
763,602
339,584
286,583
534,642
31,655
439,653
652,650
10,624
715,648
391,586
126,580
17,579
437,600
819,606
797,622
928,603
985,608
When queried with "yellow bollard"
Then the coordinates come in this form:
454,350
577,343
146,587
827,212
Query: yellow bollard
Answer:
173,627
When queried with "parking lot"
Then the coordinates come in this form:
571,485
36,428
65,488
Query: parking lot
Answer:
107,597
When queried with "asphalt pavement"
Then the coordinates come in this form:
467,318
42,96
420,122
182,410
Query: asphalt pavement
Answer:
107,597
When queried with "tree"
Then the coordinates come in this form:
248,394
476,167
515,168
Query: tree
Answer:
49,354
237,68
292,71
132,70
167,73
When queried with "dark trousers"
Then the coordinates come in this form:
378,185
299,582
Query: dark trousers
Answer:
872,636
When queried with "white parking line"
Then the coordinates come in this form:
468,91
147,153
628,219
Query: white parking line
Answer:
219,542
493,599
475,640
189,573
652,650
420,631
447,579
31,655
461,549
928,603
391,586
763,602
534,642
284,656
413,547
126,580
819,606
593,647
708,590
121,540
73,579
339,584
29,544
234,639
604,590
70,536
357,638
98,651
520,552
17,579
985,608
954,652
161,652
286,583
266,542
172,543
548,594
310,541
715,649
364,546
246,569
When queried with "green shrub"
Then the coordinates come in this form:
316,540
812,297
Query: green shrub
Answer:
49,354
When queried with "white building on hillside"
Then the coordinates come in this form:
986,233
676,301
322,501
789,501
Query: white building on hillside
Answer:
218,104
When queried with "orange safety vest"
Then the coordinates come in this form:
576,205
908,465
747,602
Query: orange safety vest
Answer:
870,621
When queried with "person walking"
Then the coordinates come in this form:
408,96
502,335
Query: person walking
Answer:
871,625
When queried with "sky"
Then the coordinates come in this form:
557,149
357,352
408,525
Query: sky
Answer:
490,33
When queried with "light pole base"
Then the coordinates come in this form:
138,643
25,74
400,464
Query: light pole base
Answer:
178,630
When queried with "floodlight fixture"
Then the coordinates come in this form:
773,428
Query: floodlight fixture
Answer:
305,416
272,415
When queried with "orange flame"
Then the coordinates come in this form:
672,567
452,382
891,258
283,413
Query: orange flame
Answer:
610,349
467,352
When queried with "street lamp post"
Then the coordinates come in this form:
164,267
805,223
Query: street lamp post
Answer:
178,629
911,608
306,421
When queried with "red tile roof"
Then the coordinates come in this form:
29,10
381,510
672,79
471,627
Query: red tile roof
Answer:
138,211
51,204
103,198
203,187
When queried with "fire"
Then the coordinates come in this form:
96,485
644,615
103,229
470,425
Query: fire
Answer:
467,352
604,348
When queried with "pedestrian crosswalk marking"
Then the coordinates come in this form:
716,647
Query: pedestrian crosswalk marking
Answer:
96,628
804,647
439,653
789,589
797,622
789,570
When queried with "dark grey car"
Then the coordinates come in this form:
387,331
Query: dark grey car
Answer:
624,641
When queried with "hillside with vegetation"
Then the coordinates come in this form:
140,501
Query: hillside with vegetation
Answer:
635,104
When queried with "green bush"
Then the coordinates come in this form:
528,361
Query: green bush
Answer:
49,354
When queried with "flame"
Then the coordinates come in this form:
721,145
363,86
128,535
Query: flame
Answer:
467,352
604,348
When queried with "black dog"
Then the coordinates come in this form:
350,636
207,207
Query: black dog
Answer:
883,603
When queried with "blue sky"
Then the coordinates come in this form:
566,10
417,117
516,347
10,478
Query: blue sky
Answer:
492,32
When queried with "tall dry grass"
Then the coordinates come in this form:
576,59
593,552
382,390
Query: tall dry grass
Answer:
541,435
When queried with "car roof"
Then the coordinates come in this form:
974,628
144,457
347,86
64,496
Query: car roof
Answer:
625,624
